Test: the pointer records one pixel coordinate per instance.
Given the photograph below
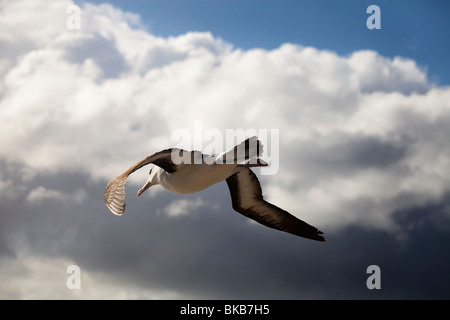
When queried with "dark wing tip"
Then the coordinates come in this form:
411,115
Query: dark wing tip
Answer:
315,234
319,237
309,234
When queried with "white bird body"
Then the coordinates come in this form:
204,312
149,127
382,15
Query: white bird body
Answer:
191,178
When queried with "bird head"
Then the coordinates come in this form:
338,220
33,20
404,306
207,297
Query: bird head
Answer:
147,185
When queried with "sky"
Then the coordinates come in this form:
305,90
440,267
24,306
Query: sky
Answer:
355,120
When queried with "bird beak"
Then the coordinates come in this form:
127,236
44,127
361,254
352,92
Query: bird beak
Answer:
145,187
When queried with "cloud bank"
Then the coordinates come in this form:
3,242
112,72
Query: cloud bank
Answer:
362,137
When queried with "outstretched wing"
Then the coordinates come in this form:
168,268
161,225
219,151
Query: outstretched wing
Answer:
115,190
247,199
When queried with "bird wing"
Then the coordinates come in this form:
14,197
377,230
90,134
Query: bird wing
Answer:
115,190
249,149
247,199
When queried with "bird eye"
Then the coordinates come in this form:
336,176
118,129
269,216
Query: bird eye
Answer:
150,171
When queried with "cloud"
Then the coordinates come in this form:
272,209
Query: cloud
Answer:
183,207
41,193
33,278
363,139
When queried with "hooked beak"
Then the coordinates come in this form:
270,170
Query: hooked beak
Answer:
145,187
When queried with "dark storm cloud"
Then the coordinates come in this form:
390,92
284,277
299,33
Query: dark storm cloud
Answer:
217,253
343,154
359,151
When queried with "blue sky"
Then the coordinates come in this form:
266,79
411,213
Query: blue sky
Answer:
416,29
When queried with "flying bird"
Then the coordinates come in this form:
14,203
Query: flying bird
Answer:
185,172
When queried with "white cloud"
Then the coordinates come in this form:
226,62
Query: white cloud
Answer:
31,277
39,194
183,207
356,133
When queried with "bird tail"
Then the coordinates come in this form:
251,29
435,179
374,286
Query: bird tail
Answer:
248,150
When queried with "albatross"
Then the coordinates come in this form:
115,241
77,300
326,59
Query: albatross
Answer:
185,172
